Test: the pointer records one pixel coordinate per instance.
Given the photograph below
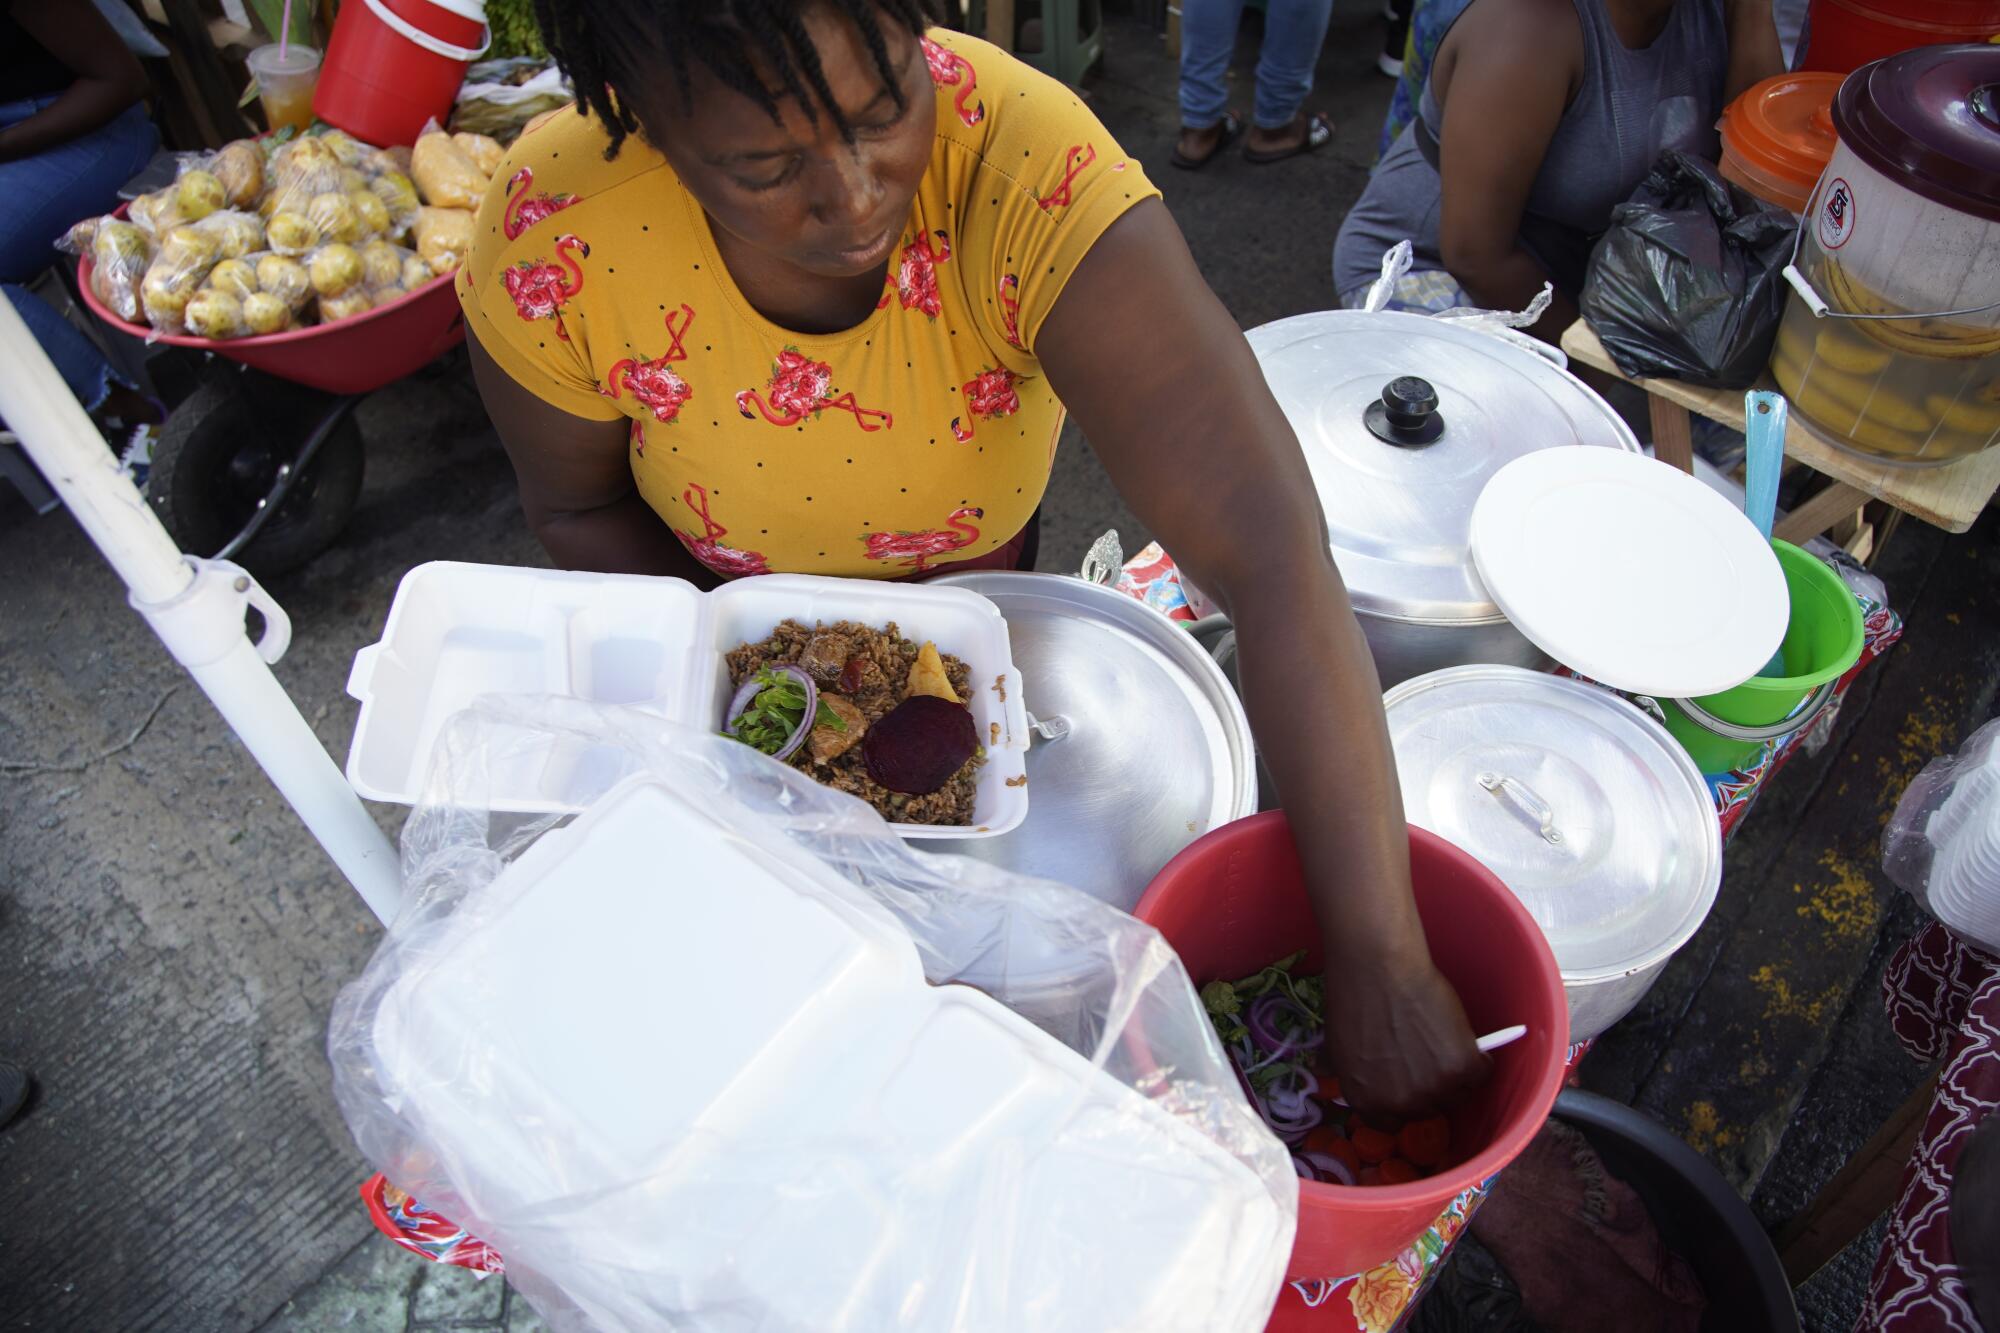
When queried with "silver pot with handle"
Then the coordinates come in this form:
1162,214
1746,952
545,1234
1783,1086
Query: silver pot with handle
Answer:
1583,805
1403,418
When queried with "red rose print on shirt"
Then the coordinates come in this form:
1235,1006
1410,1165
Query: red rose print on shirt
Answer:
654,382
950,69
988,394
916,277
802,387
524,212
728,561
915,549
540,287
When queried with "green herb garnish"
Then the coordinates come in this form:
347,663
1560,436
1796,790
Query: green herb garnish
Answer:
777,711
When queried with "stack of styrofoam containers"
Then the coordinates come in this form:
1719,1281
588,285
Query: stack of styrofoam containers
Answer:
1964,831
691,1081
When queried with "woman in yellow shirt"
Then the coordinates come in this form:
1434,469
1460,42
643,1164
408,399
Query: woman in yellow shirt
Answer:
806,286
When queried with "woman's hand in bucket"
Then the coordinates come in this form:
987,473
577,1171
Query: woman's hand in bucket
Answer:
1398,1038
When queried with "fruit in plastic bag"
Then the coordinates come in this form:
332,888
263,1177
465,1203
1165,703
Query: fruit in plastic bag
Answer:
197,194
265,313
381,264
156,212
398,194
346,149
444,237
213,314
416,272
291,233
188,246
353,302
164,293
301,171
485,151
335,269
381,161
371,213
235,233
120,254
444,173
237,277
351,179
286,279
240,168
334,215
382,296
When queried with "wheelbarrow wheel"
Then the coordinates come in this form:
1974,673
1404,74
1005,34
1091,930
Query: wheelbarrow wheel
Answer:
218,456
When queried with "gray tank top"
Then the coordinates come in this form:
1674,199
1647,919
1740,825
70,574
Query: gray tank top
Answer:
1631,107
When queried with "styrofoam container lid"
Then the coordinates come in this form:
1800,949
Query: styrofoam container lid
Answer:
1584,806
733,1053
458,631
1629,571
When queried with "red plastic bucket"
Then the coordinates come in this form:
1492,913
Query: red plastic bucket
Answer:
1235,901
1844,35
392,65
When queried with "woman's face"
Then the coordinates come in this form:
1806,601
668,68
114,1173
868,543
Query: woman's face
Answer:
793,187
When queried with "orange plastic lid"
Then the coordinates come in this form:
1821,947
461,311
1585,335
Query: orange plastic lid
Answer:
1781,130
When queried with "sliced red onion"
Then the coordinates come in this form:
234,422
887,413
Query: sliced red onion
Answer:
1265,1015
1326,1164
751,688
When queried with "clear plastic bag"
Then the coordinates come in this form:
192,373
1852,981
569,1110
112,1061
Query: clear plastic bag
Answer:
1505,325
1942,845
445,173
120,255
782,1214
443,237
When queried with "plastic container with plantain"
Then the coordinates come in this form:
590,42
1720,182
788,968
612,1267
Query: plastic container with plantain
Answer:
1890,345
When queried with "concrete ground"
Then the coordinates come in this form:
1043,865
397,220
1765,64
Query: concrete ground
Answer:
173,938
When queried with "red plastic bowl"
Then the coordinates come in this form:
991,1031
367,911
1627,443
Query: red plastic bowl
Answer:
1235,901
353,355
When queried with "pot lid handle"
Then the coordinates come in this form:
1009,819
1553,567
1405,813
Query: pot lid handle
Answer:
1539,814
1406,415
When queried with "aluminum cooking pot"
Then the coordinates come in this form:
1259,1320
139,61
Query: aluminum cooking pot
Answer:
1403,418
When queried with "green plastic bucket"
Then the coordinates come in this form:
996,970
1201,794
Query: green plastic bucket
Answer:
1823,639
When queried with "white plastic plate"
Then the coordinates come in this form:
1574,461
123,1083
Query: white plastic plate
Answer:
458,631
1629,571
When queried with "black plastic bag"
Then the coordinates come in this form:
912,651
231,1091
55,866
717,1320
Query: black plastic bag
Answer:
1688,282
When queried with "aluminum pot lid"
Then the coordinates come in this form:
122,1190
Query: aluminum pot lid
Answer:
1398,477
1141,746
1583,805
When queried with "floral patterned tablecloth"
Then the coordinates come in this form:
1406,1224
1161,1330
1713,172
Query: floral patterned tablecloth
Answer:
1379,1300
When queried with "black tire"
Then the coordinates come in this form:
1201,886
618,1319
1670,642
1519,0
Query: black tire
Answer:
218,455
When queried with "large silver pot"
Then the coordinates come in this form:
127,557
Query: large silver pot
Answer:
1403,418
1584,806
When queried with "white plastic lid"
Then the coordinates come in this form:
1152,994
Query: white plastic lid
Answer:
1584,806
1629,571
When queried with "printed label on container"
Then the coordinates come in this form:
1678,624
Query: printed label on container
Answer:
1836,214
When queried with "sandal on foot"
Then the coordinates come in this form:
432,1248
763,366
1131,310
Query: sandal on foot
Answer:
1319,133
1231,126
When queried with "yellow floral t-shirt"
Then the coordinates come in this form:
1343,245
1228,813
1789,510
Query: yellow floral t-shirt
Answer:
923,436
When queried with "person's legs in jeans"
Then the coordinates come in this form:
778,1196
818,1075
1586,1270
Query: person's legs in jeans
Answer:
1294,31
44,195
1208,40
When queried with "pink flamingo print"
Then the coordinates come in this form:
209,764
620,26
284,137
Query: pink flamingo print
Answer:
727,561
949,69
524,212
539,287
638,437
916,549
916,277
802,387
653,382
1079,156
988,394
1010,309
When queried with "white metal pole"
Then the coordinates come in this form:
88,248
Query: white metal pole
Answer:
197,608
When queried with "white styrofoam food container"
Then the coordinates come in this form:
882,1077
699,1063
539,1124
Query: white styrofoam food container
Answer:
720,1082
457,631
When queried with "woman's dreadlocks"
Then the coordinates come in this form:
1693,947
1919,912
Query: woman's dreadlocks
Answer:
612,51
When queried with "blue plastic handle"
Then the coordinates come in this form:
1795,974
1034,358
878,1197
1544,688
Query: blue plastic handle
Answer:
1764,455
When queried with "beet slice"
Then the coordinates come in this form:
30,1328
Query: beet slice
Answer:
919,744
